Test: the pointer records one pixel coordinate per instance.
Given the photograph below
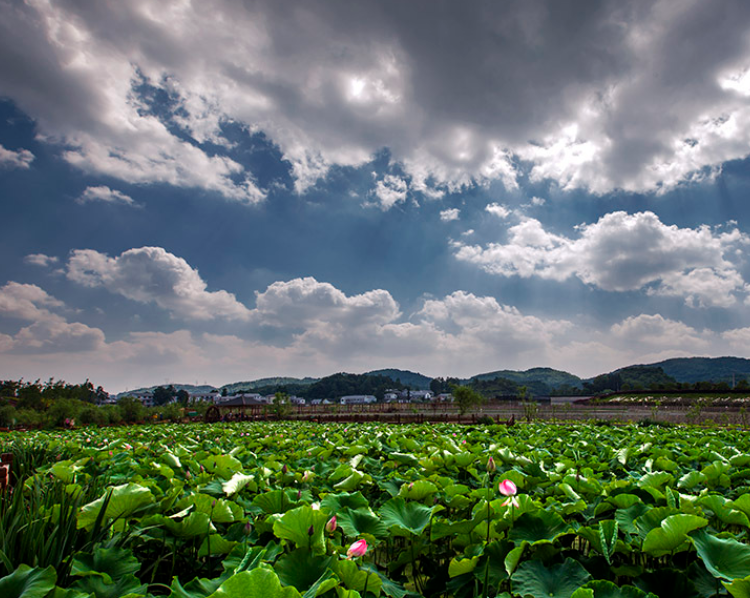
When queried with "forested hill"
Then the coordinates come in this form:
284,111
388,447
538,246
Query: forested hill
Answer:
706,369
538,380
412,380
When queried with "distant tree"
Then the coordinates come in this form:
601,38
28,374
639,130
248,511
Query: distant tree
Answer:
183,396
132,409
466,398
163,394
280,405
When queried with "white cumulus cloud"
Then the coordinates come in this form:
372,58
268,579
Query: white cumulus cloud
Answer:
450,214
153,275
15,159
623,252
104,194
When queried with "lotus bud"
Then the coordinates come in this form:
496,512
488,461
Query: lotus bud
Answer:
299,494
491,467
359,548
306,476
411,485
310,530
331,525
213,503
507,488
284,469
248,528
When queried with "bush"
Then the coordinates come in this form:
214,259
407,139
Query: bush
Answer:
8,416
132,409
30,418
63,409
486,420
93,415
112,413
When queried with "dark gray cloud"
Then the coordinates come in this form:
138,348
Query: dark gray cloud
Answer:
637,95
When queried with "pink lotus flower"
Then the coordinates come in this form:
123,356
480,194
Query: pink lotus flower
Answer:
331,525
508,488
359,548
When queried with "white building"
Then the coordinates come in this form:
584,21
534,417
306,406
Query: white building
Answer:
357,399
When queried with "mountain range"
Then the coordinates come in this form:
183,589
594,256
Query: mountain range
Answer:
539,380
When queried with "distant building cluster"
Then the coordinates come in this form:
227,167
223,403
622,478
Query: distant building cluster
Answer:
250,398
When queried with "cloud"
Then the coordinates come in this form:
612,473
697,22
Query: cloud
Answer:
450,214
498,210
11,159
390,191
623,252
639,96
307,303
48,331
40,259
153,275
106,195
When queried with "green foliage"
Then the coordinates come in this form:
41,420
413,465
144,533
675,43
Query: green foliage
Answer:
466,398
131,409
343,384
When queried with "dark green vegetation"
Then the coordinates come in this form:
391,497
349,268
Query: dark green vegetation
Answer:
411,380
245,510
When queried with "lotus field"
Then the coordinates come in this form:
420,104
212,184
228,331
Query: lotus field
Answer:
345,511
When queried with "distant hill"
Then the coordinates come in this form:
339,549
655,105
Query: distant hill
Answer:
342,384
268,383
191,388
413,380
539,381
706,369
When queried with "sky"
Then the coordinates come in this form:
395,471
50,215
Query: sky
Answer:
216,191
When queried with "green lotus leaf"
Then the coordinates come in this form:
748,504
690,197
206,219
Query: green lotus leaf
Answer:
28,582
272,502
558,581
400,516
606,589
691,480
608,538
361,521
671,534
244,558
656,479
418,490
739,588
534,527
237,482
462,566
651,519
333,503
197,588
222,465
627,517
404,459
215,544
258,583
351,482
724,558
127,585
514,557
301,568
218,509
723,510
195,524
110,564
296,525
123,501
355,578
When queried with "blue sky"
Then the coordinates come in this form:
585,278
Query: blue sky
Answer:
225,190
